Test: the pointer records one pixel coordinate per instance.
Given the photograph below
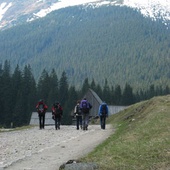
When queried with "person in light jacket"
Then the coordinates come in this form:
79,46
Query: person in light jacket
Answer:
78,114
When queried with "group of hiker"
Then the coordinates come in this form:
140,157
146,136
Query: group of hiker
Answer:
57,112
81,112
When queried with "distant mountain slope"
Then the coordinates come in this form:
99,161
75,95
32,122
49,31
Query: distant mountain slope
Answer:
111,42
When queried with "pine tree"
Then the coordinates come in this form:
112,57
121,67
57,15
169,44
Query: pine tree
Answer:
93,85
54,88
17,93
118,95
63,88
85,87
127,97
63,97
29,94
6,95
1,97
106,93
43,86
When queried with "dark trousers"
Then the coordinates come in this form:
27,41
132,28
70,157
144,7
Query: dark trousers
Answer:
79,121
85,120
57,122
103,122
41,120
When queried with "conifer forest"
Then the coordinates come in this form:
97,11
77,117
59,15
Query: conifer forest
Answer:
20,92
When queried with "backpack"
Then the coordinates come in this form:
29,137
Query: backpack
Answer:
103,109
78,110
41,108
57,109
85,106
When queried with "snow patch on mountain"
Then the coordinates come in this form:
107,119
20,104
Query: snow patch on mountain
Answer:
3,8
62,4
12,11
148,8
151,8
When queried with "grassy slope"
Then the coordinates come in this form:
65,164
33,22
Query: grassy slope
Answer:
141,140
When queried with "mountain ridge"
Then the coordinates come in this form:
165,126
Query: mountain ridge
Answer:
17,12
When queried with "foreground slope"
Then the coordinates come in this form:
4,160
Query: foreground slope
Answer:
141,140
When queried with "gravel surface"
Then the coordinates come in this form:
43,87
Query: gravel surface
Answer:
47,149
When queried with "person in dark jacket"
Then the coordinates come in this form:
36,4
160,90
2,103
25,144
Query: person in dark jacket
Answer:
41,108
57,112
103,113
78,114
85,107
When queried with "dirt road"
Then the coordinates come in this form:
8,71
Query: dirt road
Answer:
34,149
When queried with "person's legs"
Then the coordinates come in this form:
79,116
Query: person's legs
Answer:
101,123
39,121
104,122
77,121
80,119
59,122
83,121
43,120
56,122
86,121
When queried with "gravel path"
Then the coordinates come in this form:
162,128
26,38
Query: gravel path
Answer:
34,149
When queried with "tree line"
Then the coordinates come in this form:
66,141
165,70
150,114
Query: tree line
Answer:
19,93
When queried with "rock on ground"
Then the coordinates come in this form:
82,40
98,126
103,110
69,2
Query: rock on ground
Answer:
48,149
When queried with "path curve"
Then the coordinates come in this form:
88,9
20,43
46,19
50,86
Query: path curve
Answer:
34,149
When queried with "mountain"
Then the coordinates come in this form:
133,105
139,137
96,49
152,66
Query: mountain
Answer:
97,40
14,12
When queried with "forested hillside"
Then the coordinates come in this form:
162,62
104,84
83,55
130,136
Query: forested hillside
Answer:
111,42
19,94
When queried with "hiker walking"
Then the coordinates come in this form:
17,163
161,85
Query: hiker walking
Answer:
41,110
103,113
57,112
78,114
85,107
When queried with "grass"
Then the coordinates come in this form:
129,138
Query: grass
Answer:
141,140
15,129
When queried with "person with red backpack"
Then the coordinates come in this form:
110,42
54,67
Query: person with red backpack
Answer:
85,107
57,112
41,108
